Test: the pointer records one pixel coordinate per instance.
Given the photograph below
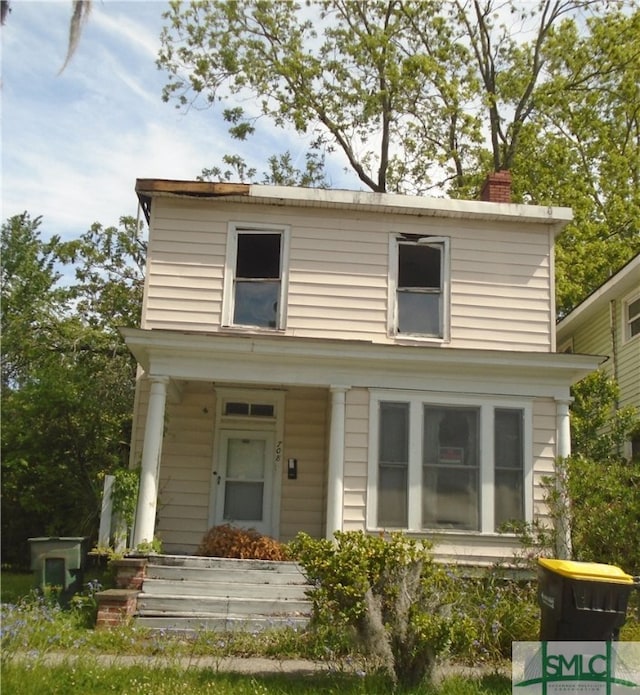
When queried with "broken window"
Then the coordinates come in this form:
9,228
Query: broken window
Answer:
420,288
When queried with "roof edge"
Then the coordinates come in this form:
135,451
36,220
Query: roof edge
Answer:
605,292
556,217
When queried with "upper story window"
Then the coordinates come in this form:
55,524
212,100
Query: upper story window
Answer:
255,277
631,316
419,286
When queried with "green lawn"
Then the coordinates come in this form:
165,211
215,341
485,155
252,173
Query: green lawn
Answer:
15,585
87,677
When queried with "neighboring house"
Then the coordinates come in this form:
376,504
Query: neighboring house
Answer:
316,360
607,322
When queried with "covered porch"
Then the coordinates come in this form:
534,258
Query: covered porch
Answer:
273,432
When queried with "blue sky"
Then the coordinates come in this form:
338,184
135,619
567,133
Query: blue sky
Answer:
74,143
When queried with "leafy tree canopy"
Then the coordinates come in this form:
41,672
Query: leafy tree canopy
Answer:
67,377
421,95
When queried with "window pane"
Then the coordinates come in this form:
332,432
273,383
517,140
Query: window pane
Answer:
394,432
419,266
245,459
633,309
393,465
509,497
419,313
509,465
243,501
236,409
450,468
508,438
450,498
392,498
258,256
262,410
634,327
256,303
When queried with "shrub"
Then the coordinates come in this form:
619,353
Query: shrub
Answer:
232,542
493,610
388,591
605,511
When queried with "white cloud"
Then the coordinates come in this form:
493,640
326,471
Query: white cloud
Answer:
73,144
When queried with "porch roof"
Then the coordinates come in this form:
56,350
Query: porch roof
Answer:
224,357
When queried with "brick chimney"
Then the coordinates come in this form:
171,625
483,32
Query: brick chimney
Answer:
497,187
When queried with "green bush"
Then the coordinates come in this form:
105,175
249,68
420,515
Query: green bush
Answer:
388,592
605,511
493,610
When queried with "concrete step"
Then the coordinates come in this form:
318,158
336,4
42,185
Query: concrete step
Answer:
224,587
227,623
196,561
225,574
171,604
185,593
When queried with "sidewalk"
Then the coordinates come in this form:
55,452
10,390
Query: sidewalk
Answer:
249,665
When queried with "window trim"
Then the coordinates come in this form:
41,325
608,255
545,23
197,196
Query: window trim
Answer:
395,239
487,403
228,294
626,323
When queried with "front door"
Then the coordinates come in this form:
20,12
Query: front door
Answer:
243,480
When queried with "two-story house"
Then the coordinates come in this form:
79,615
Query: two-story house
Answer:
320,360
607,322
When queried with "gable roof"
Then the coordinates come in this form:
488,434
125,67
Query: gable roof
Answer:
148,189
624,281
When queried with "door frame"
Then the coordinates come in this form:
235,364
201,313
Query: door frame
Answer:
248,424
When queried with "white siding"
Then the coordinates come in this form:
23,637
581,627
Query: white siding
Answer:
185,470
338,273
303,501
355,459
544,454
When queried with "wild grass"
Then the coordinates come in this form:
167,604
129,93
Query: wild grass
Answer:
88,676
15,586
50,649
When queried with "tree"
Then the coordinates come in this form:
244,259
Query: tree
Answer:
79,17
68,386
32,302
417,80
582,149
425,95
281,172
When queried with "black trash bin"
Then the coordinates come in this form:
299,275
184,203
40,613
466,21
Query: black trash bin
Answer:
582,601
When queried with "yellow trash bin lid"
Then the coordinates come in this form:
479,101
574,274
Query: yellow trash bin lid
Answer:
587,571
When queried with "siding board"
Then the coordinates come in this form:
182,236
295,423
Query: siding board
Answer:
338,272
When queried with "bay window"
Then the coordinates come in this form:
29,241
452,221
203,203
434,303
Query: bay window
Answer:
456,463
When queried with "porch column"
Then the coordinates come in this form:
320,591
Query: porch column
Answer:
145,521
563,434
336,461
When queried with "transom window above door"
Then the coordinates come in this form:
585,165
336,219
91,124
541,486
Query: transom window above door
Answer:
255,277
